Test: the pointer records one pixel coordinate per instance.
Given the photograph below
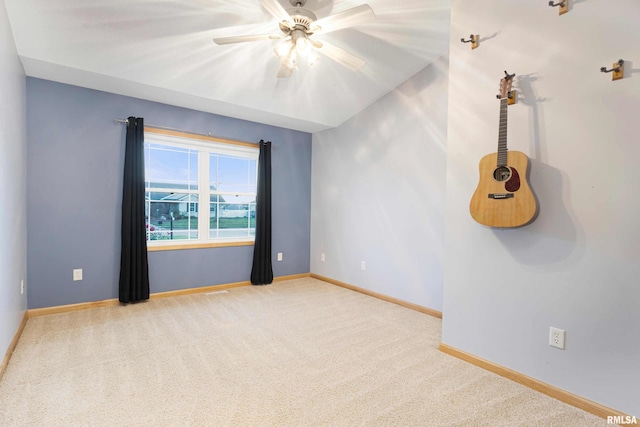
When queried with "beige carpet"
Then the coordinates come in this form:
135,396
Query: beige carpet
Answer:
295,353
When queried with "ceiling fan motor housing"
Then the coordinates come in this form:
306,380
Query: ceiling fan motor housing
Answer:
302,17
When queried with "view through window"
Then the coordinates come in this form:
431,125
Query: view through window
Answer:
199,189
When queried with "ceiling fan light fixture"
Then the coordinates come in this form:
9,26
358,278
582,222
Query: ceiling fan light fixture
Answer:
303,46
286,54
297,25
292,60
297,45
312,58
282,49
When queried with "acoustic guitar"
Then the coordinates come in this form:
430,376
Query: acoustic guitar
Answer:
503,197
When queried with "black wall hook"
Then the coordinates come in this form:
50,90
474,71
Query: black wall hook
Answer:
614,69
472,39
563,6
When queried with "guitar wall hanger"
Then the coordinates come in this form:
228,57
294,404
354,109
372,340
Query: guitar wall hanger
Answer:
563,6
617,70
511,94
473,39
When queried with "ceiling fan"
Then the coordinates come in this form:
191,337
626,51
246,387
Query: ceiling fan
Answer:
297,26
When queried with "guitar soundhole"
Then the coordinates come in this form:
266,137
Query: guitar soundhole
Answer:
502,173
509,176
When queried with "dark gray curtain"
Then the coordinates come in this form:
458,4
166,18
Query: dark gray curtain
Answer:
134,269
262,271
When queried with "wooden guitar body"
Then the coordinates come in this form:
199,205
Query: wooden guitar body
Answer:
503,197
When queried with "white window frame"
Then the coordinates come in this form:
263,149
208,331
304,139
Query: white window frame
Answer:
205,146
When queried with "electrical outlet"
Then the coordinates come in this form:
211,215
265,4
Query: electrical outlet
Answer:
556,338
363,265
322,258
279,256
21,287
77,274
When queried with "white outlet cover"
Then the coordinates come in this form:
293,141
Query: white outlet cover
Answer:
279,256
556,337
322,257
77,274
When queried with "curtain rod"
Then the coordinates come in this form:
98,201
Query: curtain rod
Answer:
126,122
208,134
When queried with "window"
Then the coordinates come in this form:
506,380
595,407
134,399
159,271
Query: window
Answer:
189,176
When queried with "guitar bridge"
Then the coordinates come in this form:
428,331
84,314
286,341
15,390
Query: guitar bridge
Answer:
500,195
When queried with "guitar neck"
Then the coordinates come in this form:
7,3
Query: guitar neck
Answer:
502,133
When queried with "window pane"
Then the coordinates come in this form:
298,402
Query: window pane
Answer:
233,170
170,167
253,174
232,210
252,216
213,217
238,198
213,172
232,174
232,220
172,216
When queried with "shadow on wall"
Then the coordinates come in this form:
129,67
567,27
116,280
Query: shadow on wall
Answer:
628,69
548,239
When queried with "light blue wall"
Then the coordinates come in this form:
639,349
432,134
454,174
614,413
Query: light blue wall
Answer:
576,266
378,192
13,225
76,156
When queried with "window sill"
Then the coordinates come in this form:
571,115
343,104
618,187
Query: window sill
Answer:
198,246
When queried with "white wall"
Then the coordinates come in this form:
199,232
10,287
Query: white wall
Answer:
13,231
577,267
378,191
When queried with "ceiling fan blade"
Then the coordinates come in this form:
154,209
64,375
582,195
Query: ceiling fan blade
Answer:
341,56
243,39
284,72
348,18
276,9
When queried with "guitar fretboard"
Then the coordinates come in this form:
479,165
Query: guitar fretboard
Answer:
502,133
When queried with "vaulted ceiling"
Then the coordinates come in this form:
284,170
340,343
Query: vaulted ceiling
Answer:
162,50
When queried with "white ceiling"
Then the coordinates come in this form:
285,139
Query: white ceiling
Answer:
162,50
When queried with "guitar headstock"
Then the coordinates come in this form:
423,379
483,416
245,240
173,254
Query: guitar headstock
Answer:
505,86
